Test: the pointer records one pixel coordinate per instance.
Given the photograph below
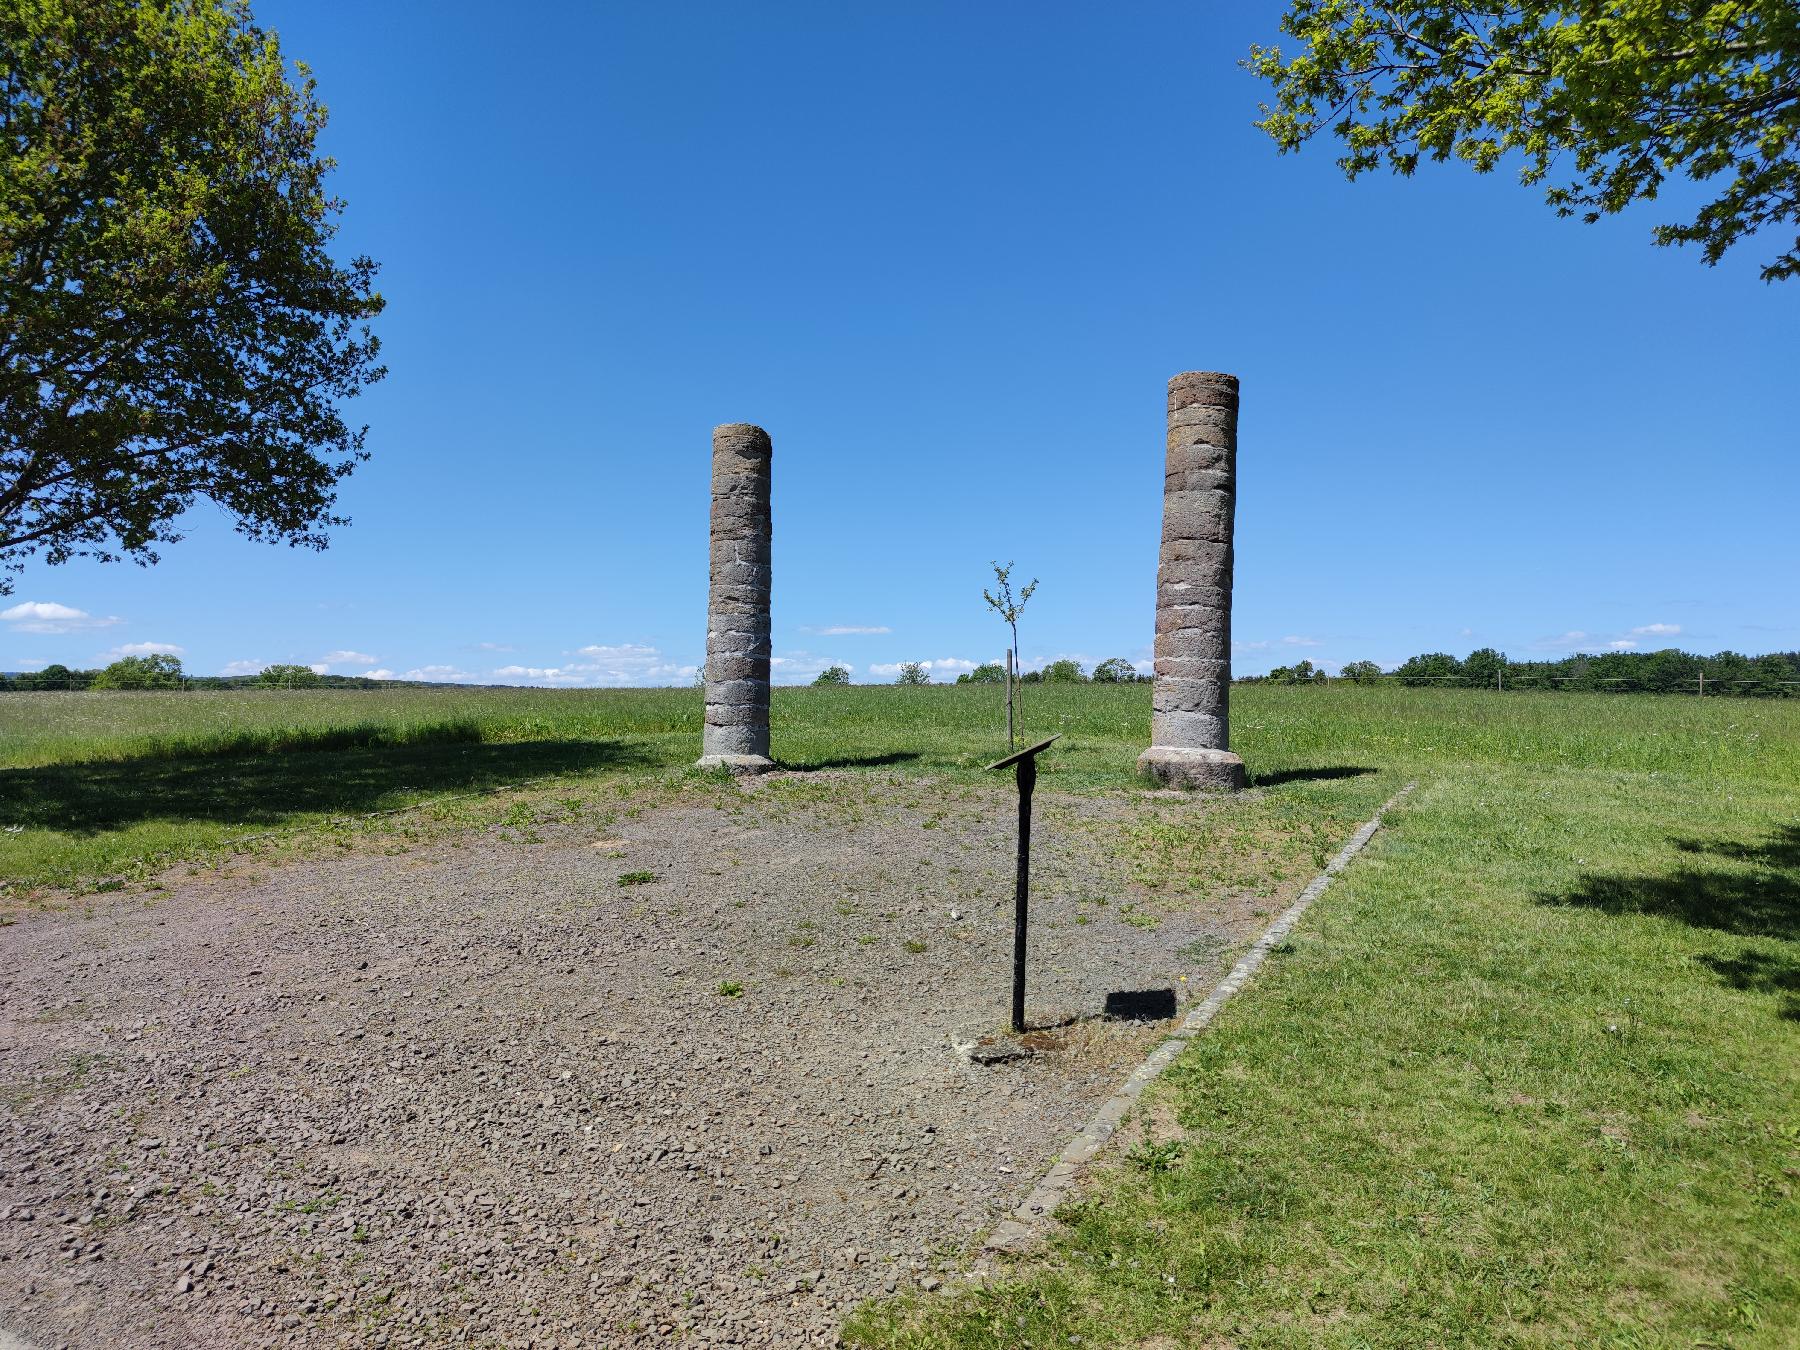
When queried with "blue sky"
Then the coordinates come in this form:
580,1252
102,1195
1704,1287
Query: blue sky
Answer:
949,255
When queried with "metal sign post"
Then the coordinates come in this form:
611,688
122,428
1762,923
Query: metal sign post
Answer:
1026,772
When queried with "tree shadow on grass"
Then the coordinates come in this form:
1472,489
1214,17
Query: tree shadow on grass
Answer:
848,761
1755,894
267,789
1760,972
1761,900
1780,850
1307,775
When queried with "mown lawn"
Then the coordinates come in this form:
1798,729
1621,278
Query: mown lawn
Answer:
106,788
1528,1075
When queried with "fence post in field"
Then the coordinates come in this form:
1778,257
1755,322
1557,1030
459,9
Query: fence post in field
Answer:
736,730
1190,726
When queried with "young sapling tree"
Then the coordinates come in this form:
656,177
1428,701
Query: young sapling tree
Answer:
1002,601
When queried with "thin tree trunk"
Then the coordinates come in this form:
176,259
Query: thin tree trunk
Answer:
1009,698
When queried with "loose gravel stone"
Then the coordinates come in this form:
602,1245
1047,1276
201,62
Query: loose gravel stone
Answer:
478,1093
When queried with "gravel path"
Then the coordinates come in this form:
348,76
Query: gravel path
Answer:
483,1093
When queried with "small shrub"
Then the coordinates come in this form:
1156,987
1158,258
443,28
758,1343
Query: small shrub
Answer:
636,878
914,946
730,989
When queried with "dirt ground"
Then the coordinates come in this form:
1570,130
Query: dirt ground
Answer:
690,1075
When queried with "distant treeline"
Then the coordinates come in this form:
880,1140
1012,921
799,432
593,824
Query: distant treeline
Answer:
1663,672
163,671
1116,670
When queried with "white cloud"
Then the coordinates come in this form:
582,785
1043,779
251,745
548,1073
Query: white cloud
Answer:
850,630
1575,640
540,674
244,668
802,667
440,675
319,668
379,675
45,616
950,666
603,665
1580,640
630,663
144,649
346,658
1262,645
492,647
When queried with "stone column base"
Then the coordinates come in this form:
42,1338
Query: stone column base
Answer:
736,763
1184,767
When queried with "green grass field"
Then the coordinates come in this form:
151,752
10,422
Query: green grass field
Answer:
1528,1075
109,787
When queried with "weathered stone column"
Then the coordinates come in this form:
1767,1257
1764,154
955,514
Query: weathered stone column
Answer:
737,609
1190,722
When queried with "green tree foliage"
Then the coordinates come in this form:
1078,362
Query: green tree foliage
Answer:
156,671
990,673
1008,606
1484,667
1670,672
1600,103
172,327
833,675
1303,673
1431,668
912,672
1361,672
1063,672
1115,670
56,676
291,677
1660,672
1773,674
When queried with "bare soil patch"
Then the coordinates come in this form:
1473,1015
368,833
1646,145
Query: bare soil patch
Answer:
687,1073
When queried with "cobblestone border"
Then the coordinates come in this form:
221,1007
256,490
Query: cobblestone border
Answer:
1022,1227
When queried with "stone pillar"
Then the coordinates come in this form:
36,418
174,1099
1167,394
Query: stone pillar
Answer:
736,734
1190,724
